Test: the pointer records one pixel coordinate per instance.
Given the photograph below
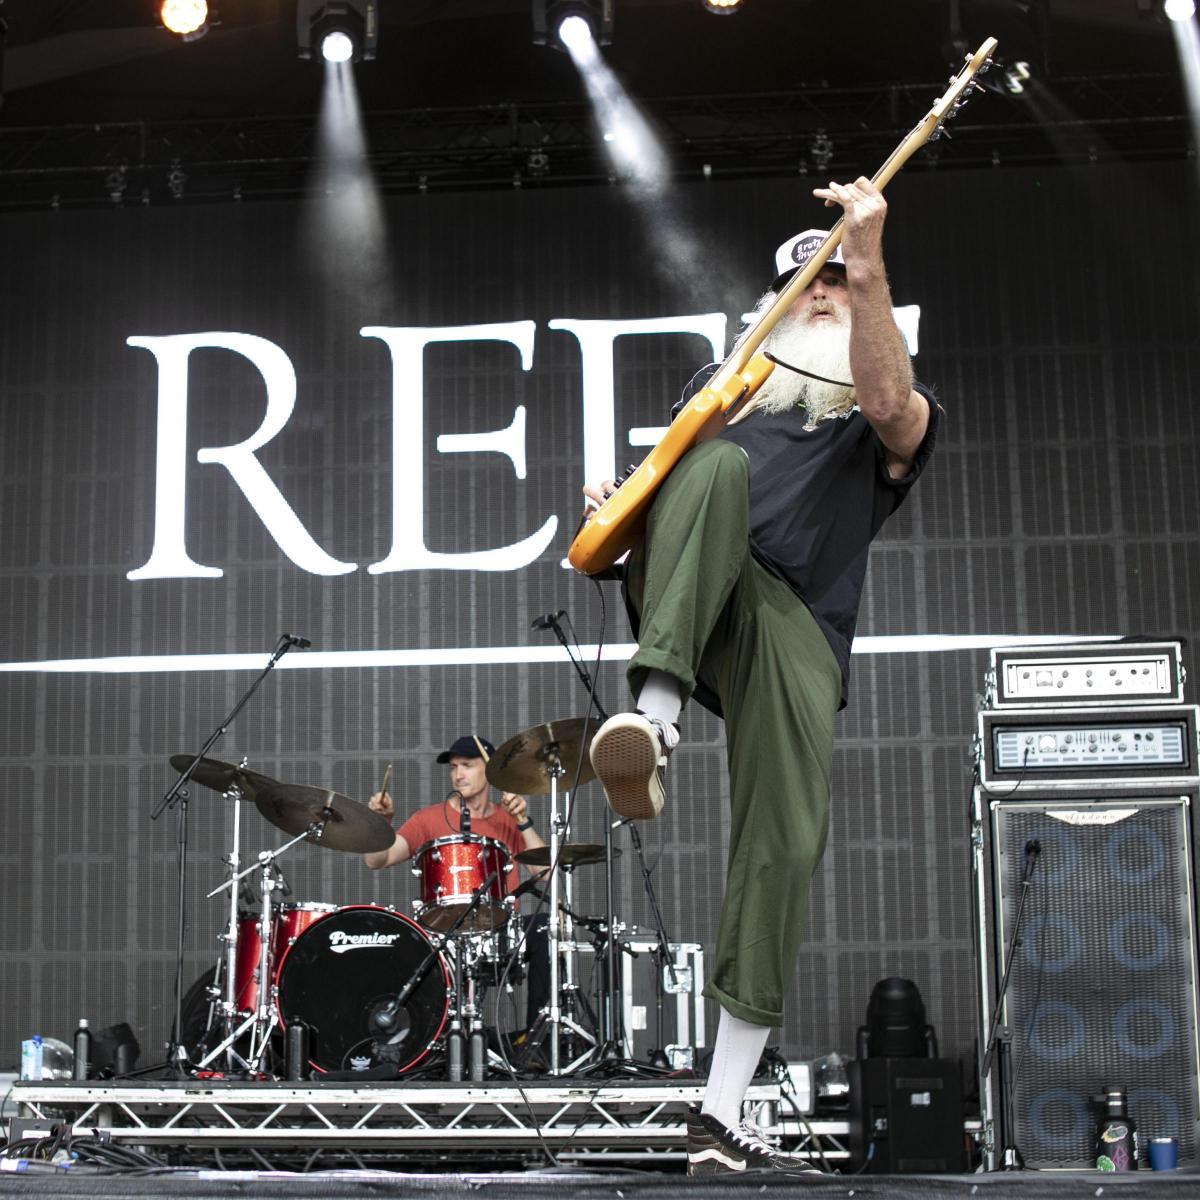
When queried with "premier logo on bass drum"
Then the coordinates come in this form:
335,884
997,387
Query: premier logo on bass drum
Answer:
340,942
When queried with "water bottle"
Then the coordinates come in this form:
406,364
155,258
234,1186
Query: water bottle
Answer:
31,1057
82,1065
296,1050
1116,1135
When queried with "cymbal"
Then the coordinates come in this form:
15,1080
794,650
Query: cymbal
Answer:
523,763
221,776
293,807
573,854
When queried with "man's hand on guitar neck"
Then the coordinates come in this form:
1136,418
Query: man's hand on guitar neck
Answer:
864,210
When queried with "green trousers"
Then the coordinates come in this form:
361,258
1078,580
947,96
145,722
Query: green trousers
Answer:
709,612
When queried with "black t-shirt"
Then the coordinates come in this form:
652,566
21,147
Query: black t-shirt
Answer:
817,498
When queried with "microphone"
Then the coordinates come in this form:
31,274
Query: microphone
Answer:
1033,848
464,813
301,643
548,620
530,885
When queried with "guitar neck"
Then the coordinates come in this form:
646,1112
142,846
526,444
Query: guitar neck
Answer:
917,137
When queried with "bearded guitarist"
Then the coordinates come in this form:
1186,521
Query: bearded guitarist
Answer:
744,591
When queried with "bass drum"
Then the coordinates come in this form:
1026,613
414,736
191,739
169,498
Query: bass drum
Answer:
341,977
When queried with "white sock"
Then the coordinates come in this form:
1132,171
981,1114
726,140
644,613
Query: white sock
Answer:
739,1047
661,696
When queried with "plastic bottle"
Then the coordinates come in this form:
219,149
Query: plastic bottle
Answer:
1116,1135
82,1066
31,1057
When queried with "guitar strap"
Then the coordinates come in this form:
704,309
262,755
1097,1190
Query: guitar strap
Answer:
800,371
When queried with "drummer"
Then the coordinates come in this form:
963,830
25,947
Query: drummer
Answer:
508,823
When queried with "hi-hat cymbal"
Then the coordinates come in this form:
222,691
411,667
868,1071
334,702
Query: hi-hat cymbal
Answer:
293,807
573,854
525,762
221,776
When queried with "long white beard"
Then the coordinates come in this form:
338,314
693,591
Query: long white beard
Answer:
822,348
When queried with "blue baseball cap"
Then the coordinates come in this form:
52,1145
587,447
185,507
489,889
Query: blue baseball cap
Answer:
470,745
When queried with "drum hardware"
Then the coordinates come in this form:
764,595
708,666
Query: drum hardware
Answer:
466,1019
280,803
259,1020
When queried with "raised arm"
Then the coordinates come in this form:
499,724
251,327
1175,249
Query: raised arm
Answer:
399,850
879,363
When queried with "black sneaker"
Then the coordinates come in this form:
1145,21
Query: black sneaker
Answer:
629,755
713,1149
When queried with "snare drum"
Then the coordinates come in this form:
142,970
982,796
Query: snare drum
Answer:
451,870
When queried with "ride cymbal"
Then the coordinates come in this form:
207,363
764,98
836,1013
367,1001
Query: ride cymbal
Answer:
351,826
524,764
221,776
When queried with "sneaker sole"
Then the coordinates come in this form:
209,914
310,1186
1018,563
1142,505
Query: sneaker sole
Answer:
626,764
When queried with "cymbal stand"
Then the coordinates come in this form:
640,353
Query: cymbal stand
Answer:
261,1021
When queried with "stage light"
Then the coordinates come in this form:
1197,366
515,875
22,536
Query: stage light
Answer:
559,23
337,47
337,31
186,18
1179,10
721,7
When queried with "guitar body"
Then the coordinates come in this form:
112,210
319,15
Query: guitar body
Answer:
616,525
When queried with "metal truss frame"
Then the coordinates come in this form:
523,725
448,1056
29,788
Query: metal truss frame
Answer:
808,130
614,1120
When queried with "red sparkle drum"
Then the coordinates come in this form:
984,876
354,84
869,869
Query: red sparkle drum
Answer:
246,960
288,922
342,977
451,870
291,920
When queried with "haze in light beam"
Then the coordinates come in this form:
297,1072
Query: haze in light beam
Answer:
640,163
1187,46
344,232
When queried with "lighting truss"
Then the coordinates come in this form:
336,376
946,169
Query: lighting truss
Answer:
820,131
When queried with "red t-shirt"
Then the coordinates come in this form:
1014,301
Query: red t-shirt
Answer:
440,820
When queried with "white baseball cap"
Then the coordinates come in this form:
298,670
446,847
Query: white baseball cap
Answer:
796,251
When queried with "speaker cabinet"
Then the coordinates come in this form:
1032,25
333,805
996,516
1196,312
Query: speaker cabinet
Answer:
1102,987
908,1113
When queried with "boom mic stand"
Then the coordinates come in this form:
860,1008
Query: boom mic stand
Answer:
610,1054
177,796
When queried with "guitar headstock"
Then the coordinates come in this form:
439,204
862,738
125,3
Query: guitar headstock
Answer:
951,102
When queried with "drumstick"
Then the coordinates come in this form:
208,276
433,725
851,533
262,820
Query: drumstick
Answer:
482,752
386,777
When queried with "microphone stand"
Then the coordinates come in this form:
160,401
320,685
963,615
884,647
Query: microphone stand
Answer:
177,797
1000,1036
611,1052
385,1017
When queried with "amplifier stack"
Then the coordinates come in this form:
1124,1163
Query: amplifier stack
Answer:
1087,776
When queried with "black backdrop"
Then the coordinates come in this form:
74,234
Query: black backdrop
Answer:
1058,325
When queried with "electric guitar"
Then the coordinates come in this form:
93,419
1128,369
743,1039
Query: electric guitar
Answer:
610,530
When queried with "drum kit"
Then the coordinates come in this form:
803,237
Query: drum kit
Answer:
309,989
